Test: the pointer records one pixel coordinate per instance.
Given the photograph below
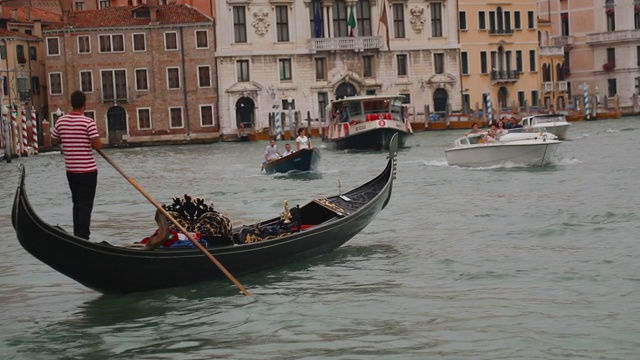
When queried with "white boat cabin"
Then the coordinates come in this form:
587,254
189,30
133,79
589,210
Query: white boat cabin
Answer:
359,109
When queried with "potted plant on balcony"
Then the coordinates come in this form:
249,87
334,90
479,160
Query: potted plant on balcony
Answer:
608,66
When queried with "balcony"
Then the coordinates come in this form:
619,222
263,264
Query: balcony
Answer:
563,86
547,86
345,43
552,51
566,41
504,75
613,37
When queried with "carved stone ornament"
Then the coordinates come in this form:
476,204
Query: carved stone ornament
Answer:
261,22
417,19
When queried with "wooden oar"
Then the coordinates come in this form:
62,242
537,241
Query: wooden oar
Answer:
175,222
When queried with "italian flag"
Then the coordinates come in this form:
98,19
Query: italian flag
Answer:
352,21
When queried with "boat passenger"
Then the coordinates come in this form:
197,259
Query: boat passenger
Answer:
288,150
302,141
271,151
501,129
491,135
514,123
474,129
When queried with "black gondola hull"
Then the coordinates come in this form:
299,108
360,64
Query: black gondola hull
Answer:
115,269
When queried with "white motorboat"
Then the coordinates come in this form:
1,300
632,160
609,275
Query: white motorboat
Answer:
516,147
556,124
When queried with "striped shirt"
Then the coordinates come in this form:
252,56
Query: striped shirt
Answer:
75,132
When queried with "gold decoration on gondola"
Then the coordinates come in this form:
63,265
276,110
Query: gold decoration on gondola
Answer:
330,205
286,214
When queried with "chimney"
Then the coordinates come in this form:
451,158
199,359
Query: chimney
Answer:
153,10
65,6
14,14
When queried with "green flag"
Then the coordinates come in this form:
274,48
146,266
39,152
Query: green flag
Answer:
352,21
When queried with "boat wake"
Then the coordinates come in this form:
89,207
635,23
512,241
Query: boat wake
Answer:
439,162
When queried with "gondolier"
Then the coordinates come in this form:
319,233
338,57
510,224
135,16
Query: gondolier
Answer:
78,135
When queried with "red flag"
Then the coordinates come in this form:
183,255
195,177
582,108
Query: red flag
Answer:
384,20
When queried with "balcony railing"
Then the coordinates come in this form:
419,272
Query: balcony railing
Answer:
563,41
616,36
552,51
547,86
504,75
562,86
345,43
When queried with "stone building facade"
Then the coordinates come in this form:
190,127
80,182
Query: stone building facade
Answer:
500,53
303,54
148,71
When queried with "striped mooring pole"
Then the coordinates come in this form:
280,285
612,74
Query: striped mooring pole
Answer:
489,109
16,139
587,105
34,130
25,135
278,120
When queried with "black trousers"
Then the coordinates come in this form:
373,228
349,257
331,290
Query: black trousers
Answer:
83,191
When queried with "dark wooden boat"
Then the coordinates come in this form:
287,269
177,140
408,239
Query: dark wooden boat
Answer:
321,226
301,160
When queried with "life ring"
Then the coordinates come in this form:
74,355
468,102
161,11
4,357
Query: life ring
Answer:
382,123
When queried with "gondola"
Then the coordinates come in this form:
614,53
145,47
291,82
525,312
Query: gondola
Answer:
314,229
301,160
